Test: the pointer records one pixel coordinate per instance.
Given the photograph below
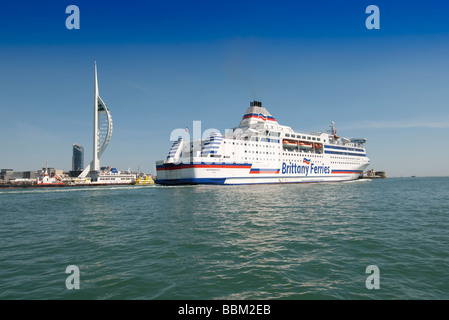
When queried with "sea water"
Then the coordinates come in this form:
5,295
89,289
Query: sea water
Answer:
296,241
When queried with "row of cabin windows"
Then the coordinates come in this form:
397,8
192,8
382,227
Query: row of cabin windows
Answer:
266,146
110,179
296,160
343,148
300,155
336,162
297,154
264,152
262,159
253,145
347,158
288,135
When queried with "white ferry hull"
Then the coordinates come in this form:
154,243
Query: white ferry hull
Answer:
233,174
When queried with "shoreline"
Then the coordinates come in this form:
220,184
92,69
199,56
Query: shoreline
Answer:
35,186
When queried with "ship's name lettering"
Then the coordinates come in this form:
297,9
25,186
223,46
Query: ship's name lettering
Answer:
294,168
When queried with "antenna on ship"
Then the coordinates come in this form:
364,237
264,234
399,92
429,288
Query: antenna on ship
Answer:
334,130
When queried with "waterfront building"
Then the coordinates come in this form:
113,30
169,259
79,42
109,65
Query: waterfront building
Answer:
78,157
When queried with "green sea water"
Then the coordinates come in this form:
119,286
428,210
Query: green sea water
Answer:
301,241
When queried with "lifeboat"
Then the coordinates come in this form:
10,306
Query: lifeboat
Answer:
305,145
317,145
289,144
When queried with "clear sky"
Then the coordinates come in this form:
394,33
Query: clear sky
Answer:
164,64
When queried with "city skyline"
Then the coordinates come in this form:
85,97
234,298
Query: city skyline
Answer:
162,66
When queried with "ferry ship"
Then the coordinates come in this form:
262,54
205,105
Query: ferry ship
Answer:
261,151
106,176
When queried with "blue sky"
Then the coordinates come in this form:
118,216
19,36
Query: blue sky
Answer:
164,64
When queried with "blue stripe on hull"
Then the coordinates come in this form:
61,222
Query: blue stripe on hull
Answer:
221,181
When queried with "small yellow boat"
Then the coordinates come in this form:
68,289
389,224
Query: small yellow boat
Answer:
144,181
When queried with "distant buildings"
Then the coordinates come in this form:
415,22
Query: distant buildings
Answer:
371,174
7,175
11,176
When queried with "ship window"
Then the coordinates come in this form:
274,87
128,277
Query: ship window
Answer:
287,135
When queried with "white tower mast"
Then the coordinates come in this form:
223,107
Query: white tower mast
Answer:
102,130
96,160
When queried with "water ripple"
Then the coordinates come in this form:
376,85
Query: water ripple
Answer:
228,242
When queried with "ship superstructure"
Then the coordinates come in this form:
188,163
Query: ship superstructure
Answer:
260,150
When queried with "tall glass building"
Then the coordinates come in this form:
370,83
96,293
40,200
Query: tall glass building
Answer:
78,157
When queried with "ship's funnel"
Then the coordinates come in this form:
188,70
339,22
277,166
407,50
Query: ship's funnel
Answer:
256,113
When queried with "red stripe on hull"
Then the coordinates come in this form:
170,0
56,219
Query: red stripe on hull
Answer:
189,166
